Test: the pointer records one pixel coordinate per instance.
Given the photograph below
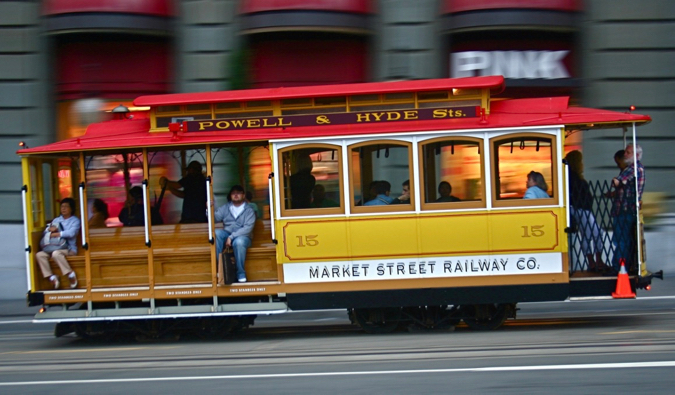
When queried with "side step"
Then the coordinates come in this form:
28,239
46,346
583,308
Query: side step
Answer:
55,314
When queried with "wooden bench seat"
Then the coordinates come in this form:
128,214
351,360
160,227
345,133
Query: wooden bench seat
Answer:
181,255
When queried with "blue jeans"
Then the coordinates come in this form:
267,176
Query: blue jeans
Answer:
588,231
239,245
624,224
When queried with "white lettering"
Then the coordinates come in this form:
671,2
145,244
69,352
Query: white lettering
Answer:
66,297
511,64
242,290
465,63
121,295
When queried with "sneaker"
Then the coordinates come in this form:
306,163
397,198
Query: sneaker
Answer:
73,280
242,279
55,281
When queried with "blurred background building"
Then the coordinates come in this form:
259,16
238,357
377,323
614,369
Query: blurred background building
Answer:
62,62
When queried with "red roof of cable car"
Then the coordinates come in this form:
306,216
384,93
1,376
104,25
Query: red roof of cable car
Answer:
134,133
491,82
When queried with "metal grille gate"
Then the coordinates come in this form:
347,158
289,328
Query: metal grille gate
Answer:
593,240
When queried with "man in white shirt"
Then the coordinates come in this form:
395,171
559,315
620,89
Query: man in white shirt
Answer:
238,220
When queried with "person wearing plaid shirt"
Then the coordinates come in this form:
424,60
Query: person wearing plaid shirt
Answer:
624,210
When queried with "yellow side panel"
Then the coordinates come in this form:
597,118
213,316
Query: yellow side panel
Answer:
525,231
324,239
424,236
454,234
383,237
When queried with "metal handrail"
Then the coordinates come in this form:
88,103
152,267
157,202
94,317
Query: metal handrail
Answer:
145,213
24,191
83,210
208,208
269,185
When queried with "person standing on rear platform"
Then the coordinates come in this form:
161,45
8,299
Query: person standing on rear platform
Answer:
238,220
624,210
588,232
66,226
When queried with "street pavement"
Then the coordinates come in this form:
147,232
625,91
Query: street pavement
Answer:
16,308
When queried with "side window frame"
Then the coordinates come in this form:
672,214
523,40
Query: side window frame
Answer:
291,212
425,206
494,163
410,207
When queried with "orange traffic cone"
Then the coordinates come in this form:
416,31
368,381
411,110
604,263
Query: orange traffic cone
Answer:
623,290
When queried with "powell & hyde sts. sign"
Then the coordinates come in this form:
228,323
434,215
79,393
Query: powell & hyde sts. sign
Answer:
331,119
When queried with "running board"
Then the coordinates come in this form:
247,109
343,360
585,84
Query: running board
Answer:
141,313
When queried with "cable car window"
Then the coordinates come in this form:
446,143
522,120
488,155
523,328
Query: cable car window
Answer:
452,173
46,197
381,177
312,180
177,186
110,180
524,170
42,199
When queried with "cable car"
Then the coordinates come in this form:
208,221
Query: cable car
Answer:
405,203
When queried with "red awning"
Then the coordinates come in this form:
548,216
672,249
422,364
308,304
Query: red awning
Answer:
145,7
353,6
452,6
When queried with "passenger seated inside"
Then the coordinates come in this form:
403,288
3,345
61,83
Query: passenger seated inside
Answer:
445,192
405,195
319,199
100,213
64,227
302,182
132,212
238,220
372,192
536,186
382,188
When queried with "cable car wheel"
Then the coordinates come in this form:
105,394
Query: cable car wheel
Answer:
486,316
377,320
440,317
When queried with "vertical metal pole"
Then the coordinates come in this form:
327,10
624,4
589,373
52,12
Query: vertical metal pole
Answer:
567,212
38,195
567,192
415,189
85,225
208,208
209,212
269,186
346,187
145,212
84,212
489,185
637,202
24,189
148,222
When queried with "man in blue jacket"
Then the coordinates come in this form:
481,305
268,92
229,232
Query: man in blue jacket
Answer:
66,226
382,188
238,220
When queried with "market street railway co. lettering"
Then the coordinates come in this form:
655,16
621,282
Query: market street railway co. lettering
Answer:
439,267
331,119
